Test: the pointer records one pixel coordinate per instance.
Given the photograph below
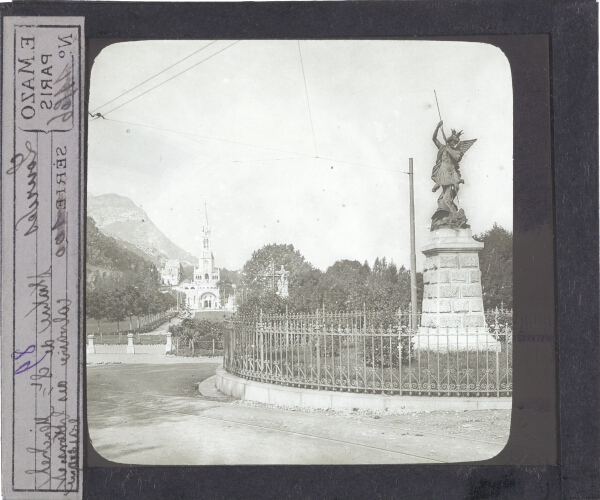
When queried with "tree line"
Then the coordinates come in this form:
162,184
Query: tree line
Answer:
120,284
116,299
348,285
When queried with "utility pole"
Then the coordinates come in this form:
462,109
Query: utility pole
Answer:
413,254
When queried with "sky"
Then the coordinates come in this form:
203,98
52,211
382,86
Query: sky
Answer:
303,142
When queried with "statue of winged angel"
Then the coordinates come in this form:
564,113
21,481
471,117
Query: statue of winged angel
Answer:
446,172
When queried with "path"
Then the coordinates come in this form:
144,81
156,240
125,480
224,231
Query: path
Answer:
152,415
162,329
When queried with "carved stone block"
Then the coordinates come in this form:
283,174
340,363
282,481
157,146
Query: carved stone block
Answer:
427,277
475,276
460,306
471,290
428,321
444,306
449,291
431,292
469,260
459,276
443,276
432,276
449,260
476,305
431,263
473,320
450,321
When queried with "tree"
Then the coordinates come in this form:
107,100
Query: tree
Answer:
95,305
347,285
229,280
130,300
344,285
266,301
141,302
496,264
256,269
187,273
308,292
115,305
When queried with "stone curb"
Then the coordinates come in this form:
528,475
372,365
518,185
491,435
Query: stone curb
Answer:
292,396
208,388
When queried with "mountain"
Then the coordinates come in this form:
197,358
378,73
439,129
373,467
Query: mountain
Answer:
121,218
106,257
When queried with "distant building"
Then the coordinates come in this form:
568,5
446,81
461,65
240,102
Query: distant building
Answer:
230,304
202,293
172,272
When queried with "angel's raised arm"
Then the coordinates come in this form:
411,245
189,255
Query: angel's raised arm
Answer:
434,138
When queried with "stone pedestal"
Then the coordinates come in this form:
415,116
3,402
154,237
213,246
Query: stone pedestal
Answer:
130,348
91,348
452,313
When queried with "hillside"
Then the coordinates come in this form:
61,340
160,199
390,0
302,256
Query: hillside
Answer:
120,217
105,257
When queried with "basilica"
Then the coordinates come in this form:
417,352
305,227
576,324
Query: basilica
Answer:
202,292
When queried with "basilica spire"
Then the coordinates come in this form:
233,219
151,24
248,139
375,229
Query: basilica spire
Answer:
206,247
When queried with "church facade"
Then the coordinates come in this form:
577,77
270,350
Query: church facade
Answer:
171,274
202,292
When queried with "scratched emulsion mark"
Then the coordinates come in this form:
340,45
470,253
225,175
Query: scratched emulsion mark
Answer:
42,196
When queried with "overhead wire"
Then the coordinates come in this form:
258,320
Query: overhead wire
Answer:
307,100
304,155
208,137
154,76
169,79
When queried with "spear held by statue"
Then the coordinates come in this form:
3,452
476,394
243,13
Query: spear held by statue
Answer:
440,115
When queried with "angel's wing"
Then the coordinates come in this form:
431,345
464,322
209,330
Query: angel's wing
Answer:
464,146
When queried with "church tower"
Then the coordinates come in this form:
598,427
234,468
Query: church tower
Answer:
203,292
206,272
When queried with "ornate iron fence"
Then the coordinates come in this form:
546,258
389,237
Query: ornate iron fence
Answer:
369,353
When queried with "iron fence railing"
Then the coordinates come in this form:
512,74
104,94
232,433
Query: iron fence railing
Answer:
208,345
370,352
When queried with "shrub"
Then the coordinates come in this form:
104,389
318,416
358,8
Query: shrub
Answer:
203,329
505,323
383,351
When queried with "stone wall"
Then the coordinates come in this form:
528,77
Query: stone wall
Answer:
452,295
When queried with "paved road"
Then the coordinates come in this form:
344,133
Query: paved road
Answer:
152,414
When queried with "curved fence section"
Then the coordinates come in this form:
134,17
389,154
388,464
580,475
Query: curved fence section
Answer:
369,353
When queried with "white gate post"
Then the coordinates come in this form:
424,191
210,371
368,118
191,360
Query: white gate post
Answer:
130,348
169,346
91,349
